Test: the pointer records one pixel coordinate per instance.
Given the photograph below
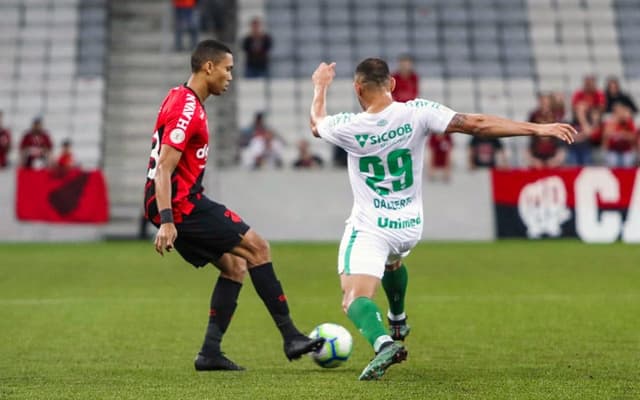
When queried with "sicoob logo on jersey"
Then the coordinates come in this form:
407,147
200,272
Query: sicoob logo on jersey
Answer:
403,131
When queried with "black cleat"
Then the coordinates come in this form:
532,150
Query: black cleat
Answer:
300,345
217,362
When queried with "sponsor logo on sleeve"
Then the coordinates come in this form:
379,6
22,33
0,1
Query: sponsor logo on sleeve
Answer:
177,136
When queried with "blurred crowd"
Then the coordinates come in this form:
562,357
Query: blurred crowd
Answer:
35,149
604,118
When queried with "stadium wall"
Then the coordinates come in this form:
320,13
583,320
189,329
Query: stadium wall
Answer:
308,205
292,206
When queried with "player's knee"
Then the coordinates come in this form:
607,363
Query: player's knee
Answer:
238,270
261,251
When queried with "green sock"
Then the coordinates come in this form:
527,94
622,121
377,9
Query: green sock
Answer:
365,315
395,286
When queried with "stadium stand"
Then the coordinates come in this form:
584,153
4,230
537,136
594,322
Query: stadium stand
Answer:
487,56
52,67
627,18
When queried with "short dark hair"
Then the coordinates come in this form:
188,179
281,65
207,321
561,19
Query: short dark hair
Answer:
373,71
208,50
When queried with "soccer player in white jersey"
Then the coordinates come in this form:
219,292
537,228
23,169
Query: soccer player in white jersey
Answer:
386,145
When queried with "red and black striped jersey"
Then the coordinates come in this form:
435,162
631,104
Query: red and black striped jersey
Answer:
182,124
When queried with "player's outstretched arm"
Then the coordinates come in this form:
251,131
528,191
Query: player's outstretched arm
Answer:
167,163
492,126
322,78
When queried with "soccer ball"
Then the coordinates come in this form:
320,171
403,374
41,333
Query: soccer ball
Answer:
337,347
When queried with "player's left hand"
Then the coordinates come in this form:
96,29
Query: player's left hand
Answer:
564,132
324,74
165,237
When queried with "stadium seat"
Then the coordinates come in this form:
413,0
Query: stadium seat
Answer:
432,89
338,13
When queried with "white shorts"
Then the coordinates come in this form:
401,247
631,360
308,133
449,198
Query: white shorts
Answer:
367,253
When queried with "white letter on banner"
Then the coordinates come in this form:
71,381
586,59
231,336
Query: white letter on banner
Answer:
590,183
631,233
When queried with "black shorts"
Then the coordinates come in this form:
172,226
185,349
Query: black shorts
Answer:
208,232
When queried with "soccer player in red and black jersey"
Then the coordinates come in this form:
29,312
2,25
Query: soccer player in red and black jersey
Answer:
200,229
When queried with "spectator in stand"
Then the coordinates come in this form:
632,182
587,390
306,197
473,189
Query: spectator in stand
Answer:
580,153
306,159
558,105
257,46
65,160
486,153
594,137
545,152
407,81
584,100
615,95
257,128
620,140
212,16
185,21
544,113
440,146
5,143
35,147
263,151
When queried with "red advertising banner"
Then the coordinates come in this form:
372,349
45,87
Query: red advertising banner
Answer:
72,197
595,204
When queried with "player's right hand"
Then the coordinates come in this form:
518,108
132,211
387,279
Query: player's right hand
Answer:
165,237
324,74
564,132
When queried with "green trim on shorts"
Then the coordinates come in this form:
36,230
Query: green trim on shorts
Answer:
347,253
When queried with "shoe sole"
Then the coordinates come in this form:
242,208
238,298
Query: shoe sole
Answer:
312,346
377,372
205,369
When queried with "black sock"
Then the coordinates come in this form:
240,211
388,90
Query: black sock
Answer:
223,304
270,291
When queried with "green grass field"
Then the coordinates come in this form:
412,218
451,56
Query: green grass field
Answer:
507,320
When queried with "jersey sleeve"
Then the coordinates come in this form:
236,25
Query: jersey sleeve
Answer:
335,129
432,116
179,124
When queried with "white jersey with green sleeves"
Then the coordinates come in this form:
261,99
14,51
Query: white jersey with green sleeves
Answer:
385,161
